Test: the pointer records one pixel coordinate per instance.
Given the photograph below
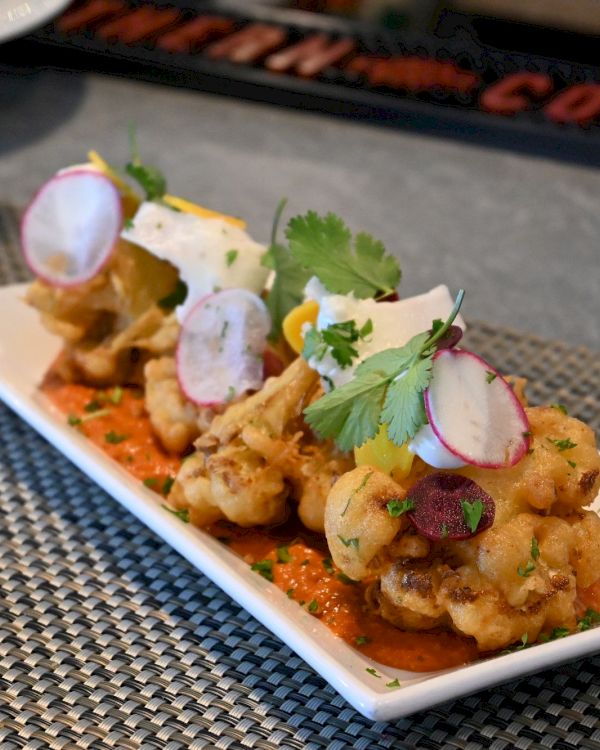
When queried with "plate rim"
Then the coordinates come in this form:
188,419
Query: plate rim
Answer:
28,18
305,635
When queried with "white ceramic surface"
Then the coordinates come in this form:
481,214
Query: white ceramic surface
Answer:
17,17
25,356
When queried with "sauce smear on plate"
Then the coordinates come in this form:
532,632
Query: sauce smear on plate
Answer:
296,561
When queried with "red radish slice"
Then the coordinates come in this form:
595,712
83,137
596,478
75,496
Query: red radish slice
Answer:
450,506
221,345
71,226
474,412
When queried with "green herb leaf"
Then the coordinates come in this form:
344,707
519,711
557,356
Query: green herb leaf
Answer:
393,684
572,464
472,513
336,339
290,593
182,515
563,445
328,565
150,179
230,257
561,407
175,298
73,420
92,406
346,580
490,376
283,554
386,389
313,606
116,395
372,671
264,568
527,570
290,279
323,245
590,618
150,482
398,507
358,489
113,438
535,549
360,640
354,542
167,484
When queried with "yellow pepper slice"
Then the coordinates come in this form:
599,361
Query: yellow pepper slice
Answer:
204,213
294,321
381,453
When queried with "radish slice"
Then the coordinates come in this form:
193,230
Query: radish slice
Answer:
221,345
71,226
474,412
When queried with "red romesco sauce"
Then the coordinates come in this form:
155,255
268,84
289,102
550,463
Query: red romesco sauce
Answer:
308,576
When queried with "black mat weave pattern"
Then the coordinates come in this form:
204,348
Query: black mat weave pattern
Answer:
109,639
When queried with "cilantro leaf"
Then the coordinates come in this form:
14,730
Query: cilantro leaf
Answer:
174,298
562,445
338,338
323,245
472,513
151,179
397,507
290,278
403,411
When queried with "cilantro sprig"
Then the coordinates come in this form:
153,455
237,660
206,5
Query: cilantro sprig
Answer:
387,388
325,246
338,338
150,179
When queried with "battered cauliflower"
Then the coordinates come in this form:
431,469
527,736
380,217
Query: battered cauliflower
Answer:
520,576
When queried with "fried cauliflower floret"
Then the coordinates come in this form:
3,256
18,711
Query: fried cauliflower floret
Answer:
358,525
258,454
519,576
111,324
176,421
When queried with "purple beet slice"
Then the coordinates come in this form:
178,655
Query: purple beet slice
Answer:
446,506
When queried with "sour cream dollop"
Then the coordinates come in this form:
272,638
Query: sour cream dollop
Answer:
210,253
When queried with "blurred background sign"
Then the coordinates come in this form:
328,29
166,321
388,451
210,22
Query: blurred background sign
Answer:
521,75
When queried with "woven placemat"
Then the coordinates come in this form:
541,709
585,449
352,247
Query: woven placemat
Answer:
109,639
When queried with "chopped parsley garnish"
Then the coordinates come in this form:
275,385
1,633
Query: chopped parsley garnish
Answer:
328,565
561,407
527,570
92,406
554,635
376,395
174,298
283,554
114,438
167,484
398,507
393,684
524,642
128,224
182,515
338,339
590,618
150,482
305,562
343,578
313,606
572,464
355,492
472,513
490,376
372,671
535,549
360,640
264,568
73,420
290,593
563,445
354,542
231,257
150,179
324,246
116,395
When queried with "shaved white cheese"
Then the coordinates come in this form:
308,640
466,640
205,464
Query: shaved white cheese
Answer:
209,253
394,323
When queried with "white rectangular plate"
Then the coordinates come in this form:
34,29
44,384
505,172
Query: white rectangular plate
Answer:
26,350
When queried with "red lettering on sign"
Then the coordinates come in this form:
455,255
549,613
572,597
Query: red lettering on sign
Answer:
580,104
513,93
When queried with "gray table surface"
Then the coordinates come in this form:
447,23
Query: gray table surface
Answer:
520,234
